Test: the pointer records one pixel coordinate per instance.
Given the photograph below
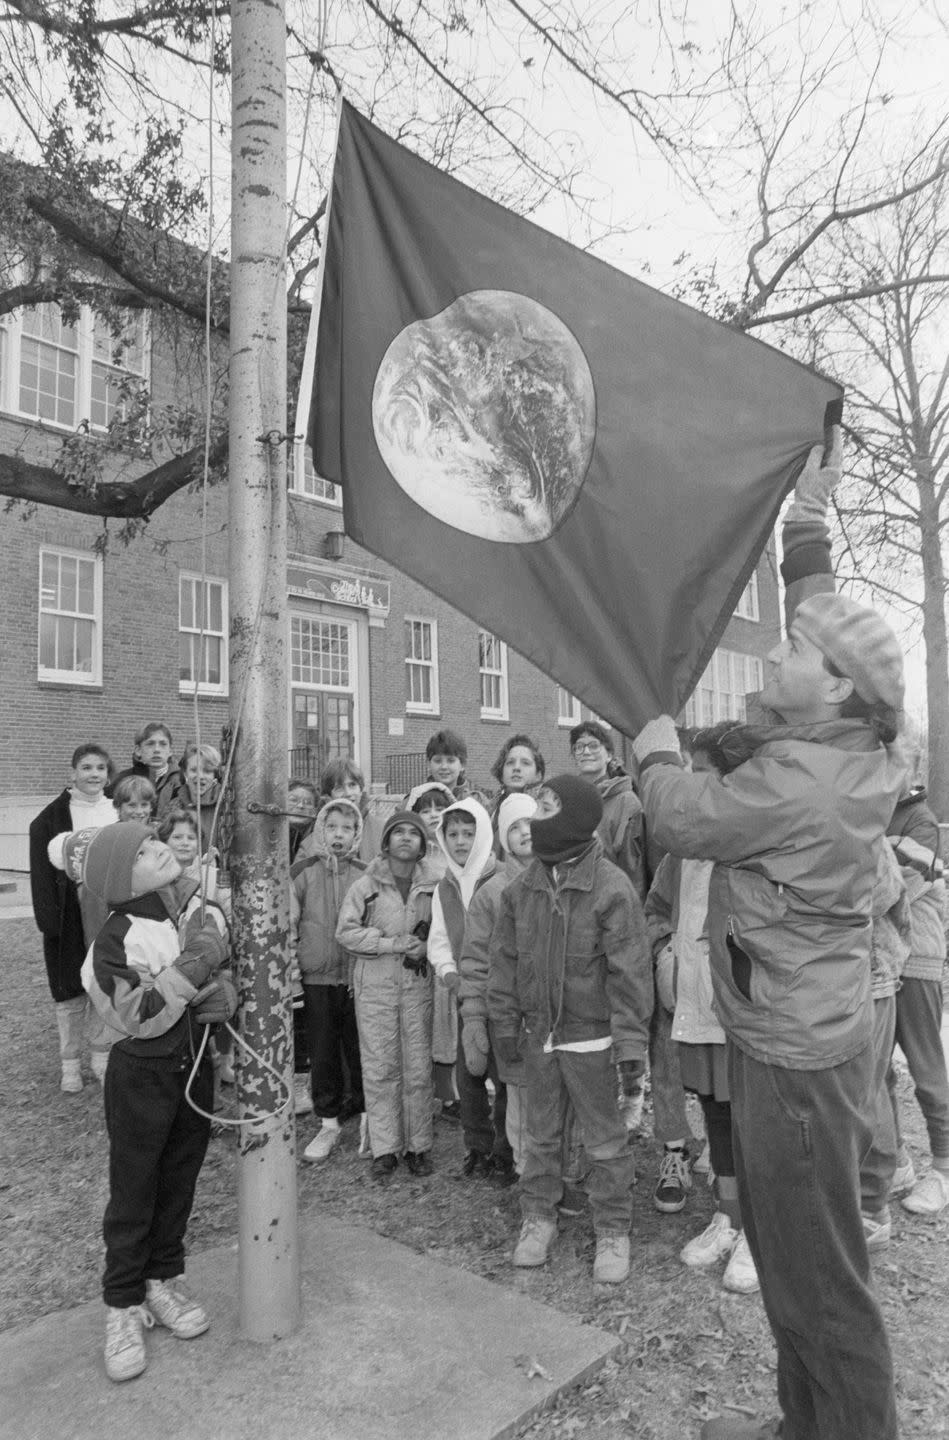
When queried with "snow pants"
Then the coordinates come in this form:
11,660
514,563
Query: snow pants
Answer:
394,1018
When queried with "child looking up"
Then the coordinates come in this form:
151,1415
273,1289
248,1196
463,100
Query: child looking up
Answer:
466,840
152,985
384,920
56,906
430,801
343,780
319,883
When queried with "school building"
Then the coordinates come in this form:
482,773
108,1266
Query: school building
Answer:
97,639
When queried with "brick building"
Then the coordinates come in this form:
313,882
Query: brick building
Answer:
94,644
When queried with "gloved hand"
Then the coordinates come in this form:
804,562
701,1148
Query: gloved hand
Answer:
418,965
507,1049
475,1044
816,482
205,952
451,981
216,1001
631,1074
658,734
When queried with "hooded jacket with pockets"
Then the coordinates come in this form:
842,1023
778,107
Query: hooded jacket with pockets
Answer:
319,882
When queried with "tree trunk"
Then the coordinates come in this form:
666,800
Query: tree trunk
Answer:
937,653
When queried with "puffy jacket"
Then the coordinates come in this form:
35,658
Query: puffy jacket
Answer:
319,881
476,946
914,835
677,922
794,831
570,956
373,914
457,886
621,828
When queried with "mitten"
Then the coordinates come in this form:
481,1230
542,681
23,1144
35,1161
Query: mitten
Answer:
474,1042
507,1049
451,980
418,967
657,735
631,1073
816,482
205,952
216,1002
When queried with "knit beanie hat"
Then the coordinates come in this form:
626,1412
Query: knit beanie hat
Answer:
405,817
568,833
859,643
102,860
517,806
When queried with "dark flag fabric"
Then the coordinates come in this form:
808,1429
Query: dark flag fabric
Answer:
585,467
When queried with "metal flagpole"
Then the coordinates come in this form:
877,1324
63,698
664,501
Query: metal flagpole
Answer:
268,1266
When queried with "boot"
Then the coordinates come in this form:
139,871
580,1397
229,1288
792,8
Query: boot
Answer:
71,1083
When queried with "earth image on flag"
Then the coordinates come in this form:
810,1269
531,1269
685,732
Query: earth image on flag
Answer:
485,415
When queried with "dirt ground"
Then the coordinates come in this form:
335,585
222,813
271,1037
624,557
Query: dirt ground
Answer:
691,1350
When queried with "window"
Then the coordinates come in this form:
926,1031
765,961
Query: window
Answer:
65,374
202,635
70,617
305,481
319,652
492,663
568,708
720,694
747,607
421,666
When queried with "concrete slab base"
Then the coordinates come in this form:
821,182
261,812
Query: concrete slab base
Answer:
392,1346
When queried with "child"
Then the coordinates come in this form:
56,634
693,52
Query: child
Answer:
135,798
178,828
429,801
519,766
447,756
571,962
514,833
384,920
466,840
677,920
343,780
199,791
151,758
56,906
151,984
319,883
301,796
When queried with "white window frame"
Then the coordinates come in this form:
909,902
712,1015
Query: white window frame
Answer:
86,361
305,482
418,707
568,714
729,676
71,677
747,607
496,673
204,687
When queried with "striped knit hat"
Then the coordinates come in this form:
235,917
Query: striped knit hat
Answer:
858,642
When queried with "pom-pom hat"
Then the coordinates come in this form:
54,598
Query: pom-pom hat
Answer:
102,860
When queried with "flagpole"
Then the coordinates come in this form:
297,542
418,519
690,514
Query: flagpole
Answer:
268,1250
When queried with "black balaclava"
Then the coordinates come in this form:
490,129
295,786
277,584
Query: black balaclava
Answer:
567,834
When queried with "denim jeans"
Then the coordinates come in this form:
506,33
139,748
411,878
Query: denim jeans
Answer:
918,1034
669,1119
587,1080
879,1164
799,1136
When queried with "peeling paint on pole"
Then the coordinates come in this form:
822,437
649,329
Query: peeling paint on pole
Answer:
268,1264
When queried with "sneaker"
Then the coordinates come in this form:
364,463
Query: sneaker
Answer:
631,1109
503,1172
675,1180
877,1231
727,1428
71,1083
478,1164
383,1168
172,1306
419,1162
322,1143
125,1341
740,1273
930,1195
715,1242
302,1099
904,1178
611,1265
99,1063
534,1241
703,1164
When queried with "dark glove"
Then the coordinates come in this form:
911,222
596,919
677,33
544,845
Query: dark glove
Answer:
475,1044
418,967
204,953
216,1002
507,1049
631,1074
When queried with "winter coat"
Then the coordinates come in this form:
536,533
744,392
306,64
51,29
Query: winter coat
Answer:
318,884
475,962
56,903
677,921
914,835
456,888
794,832
889,945
621,828
570,957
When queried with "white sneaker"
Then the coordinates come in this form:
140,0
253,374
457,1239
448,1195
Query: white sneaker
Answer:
125,1341
878,1230
171,1305
302,1099
611,1265
703,1165
740,1273
930,1195
99,1063
534,1241
904,1178
715,1242
322,1144
71,1083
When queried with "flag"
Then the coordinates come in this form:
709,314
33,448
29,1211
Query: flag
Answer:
585,467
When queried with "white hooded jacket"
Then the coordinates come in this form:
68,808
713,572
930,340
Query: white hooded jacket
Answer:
443,955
